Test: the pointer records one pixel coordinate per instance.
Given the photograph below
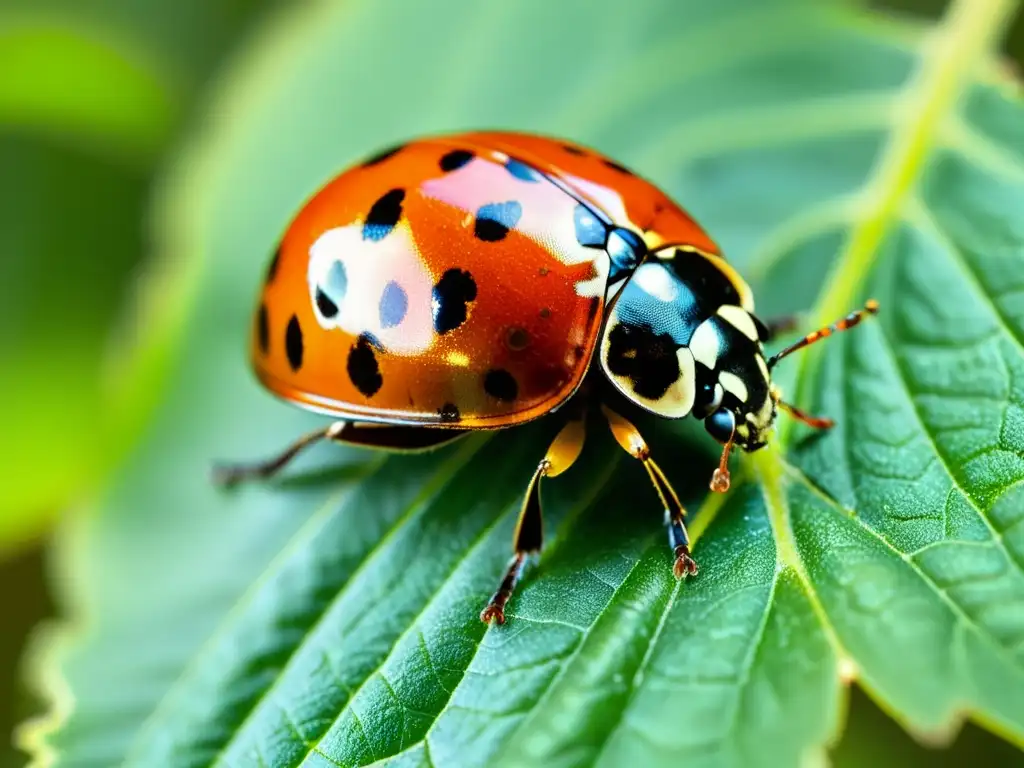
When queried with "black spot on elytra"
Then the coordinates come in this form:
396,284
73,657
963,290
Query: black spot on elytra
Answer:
323,302
293,343
522,171
380,157
501,384
573,150
263,329
494,220
449,412
590,230
384,215
272,267
394,303
362,366
617,167
648,359
517,339
455,159
450,298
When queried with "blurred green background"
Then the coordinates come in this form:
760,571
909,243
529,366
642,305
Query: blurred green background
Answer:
96,99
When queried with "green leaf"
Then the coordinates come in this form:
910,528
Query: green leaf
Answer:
331,618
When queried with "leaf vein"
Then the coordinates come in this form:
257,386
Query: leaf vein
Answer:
920,215
939,453
943,594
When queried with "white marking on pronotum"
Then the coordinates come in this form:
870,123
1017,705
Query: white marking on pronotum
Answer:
655,280
704,344
734,384
739,319
763,366
719,394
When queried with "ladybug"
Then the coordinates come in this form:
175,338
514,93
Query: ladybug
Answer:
473,281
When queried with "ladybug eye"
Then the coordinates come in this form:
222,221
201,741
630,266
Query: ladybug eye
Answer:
721,425
709,397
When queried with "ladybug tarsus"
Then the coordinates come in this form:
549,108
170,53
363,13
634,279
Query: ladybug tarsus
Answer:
720,480
492,614
495,608
684,565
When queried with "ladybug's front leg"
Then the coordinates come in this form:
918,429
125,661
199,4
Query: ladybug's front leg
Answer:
633,443
529,535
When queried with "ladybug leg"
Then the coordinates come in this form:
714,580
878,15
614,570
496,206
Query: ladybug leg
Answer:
816,422
232,474
388,438
529,535
633,443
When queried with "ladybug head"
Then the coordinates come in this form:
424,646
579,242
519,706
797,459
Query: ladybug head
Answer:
741,410
750,434
731,415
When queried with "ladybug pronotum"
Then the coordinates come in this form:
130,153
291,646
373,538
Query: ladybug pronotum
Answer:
468,282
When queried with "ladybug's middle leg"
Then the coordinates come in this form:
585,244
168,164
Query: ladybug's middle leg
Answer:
529,535
633,443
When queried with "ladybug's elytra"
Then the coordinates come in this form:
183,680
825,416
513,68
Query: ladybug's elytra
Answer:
466,282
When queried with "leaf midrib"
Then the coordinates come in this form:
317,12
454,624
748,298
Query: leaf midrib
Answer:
963,42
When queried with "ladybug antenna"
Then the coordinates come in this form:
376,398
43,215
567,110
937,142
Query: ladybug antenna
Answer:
848,322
